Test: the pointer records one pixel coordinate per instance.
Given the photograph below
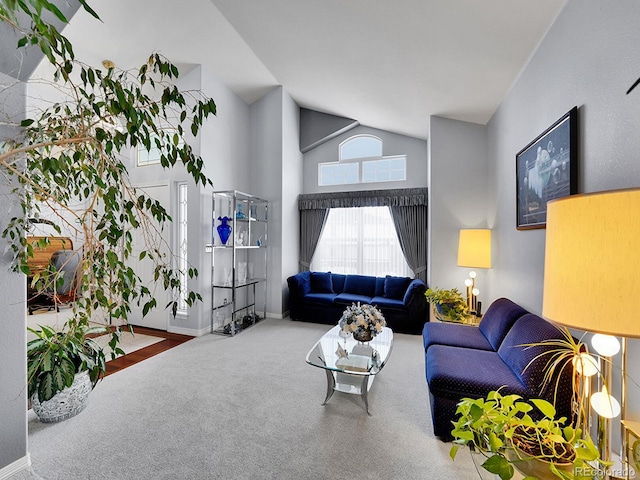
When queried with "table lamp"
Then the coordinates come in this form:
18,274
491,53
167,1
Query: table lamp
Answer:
474,251
591,280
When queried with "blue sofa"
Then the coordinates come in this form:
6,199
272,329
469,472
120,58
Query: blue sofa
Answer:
321,297
465,361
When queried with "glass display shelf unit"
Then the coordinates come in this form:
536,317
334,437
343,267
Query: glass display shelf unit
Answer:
238,261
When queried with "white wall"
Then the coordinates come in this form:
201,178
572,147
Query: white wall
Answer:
589,58
13,324
458,198
392,144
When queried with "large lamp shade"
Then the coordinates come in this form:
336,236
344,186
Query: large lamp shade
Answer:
474,248
592,262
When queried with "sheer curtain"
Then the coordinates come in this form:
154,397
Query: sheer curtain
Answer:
360,241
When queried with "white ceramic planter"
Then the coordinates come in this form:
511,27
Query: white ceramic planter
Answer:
66,403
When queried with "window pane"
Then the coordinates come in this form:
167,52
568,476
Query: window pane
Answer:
368,172
361,147
360,241
183,264
338,174
385,170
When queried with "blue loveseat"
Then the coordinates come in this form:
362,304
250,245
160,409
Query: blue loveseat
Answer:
321,297
465,361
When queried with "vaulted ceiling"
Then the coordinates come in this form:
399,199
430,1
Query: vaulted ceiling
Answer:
387,64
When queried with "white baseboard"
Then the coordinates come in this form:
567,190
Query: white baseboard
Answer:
15,467
205,330
193,332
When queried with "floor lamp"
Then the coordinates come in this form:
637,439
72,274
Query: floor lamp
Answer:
591,280
474,251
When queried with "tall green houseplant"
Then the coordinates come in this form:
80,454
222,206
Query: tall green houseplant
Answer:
67,161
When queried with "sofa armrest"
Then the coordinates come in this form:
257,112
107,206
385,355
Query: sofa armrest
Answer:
299,284
415,290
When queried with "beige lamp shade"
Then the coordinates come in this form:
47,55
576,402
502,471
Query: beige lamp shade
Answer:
474,248
592,262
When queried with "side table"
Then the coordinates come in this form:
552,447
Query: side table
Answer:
632,429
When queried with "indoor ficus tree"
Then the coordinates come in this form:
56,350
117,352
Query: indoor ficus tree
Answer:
68,167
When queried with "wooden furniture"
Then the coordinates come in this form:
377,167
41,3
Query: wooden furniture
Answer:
44,249
42,255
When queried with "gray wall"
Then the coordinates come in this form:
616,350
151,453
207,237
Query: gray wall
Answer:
292,176
589,58
392,144
265,177
276,176
13,365
13,325
458,198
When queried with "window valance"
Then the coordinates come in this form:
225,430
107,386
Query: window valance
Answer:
401,197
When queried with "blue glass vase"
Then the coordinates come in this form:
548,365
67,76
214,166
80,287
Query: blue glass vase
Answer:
224,229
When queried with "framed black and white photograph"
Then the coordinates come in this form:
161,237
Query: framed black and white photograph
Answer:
547,168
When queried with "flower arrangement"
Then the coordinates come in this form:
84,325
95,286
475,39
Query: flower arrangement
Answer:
364,321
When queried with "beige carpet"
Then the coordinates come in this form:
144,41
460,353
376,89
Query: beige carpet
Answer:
248,407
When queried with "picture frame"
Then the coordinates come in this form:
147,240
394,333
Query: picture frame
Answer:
546,169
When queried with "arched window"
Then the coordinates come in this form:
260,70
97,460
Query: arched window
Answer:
360,146
360,160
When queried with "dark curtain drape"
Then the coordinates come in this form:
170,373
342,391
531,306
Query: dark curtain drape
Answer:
408,209
411,228
311,224
402,197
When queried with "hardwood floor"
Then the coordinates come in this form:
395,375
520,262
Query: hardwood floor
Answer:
170,340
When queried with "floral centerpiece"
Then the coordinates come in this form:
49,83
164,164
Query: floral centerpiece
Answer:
364,321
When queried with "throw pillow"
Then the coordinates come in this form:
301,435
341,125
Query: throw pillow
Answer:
395,287
321,282
360,285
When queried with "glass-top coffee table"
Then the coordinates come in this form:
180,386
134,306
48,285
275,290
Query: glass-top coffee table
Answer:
356,372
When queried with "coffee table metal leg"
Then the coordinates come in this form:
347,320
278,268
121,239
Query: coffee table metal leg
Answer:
364,390
331,385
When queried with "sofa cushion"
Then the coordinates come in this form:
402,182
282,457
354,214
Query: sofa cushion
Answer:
319,298
455,373
527,330
360,285
498,319
349,298
338,280
379,287
384,302
321,282
396,287
466,336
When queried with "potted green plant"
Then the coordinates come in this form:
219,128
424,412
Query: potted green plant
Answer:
448,305
62,369
504,430
66,165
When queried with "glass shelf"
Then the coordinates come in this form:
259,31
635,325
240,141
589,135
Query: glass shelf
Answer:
240,257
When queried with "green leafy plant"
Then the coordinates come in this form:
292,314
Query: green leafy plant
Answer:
55,357
68,168
504,430
449,305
